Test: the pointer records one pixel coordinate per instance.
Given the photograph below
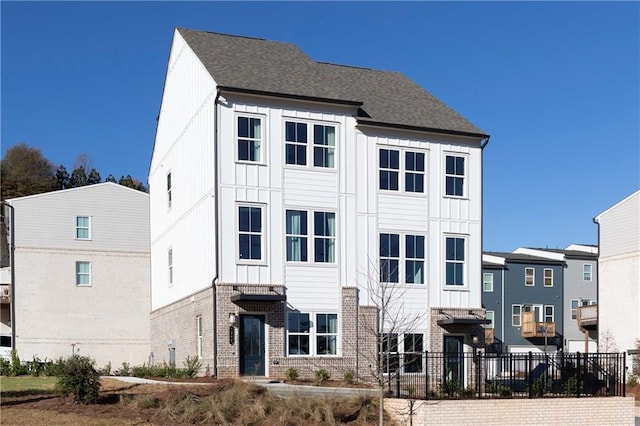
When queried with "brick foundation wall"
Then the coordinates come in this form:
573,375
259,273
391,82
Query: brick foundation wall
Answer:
176,323
525,412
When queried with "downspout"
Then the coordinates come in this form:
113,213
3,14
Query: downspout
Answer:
595,220
12,261
504,312
216,236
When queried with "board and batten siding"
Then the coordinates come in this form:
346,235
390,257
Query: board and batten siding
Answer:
184,147
119,219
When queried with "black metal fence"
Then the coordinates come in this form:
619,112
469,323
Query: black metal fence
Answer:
506,375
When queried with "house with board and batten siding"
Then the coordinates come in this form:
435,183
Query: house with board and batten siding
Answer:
280,186
81,271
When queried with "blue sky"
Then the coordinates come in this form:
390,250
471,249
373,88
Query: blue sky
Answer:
556,85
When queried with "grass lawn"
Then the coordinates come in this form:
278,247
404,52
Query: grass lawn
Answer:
26,385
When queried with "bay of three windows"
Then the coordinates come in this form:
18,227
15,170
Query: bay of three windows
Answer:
302,140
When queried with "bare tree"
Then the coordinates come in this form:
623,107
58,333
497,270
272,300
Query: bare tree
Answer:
394,322
607,343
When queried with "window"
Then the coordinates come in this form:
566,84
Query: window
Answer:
295,143
548,313
83,273
326,334
574,308
487,282
296,230
324,146
516,314
414,174
389,257
325,237
548,277
170,265
413,344
249,139
169,190
299,328
199,336
389,169
83,228
454,176
454,261
250,232
587,270
489,315
390,355
414,264
529,276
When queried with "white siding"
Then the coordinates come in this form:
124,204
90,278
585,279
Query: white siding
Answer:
621,227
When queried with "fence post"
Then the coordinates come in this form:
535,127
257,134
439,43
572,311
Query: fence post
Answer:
398,383
478,367
426,374
577,375
624,371
529,380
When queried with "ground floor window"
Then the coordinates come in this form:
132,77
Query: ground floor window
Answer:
402,352
312,333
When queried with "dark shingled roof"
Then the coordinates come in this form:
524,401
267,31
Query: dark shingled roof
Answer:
524,258
282,69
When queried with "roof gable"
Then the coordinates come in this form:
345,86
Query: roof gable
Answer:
282,69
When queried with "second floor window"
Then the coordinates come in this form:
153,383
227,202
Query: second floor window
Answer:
83,273
516,315
529,276
324,237
83,228
487,282
389,169
489,315
548,313
296,230
548,277
454,175
389,258
454,261
586,272
250,233
249,139
414,263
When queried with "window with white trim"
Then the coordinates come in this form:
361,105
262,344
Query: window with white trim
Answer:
250,232
575,303
324,146
326,334
455,260
324,237
169,199
170,265
454,175
414,259
516,315
412,357
295,143
390,354
389,258
83,274
587,272
83,227
548,277
487,282
414,171
548,313
296,235
412,180
250,137
404,356
389,169
529,276
199,336
489,315
297,137
402,263
298,333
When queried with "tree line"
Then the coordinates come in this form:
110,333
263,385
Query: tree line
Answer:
26,171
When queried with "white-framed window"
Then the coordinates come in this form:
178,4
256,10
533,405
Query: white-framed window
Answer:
199,335
575,303
298,333
83,273
250,232
404,356
414,259
83,227
487,282
170,265
548,313
389,258
390,179
296,235
454,175
548,277
323,143
324,225
250,138
516,315
454,261
529,276
169,199
489,315
587,272
402,263
326,334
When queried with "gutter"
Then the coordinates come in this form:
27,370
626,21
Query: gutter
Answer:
216,237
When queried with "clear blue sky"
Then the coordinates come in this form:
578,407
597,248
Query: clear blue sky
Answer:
556,85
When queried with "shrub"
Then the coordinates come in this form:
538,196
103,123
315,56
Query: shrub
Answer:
80,379
571,386
322,376
125,370
632,380
291,374
5,367
467,393
449,388
17,368
106,370
348,377
191,366
53,368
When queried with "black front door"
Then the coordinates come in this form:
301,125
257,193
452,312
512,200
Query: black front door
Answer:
454,360
252,345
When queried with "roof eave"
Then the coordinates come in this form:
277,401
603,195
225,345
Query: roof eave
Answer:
422,129
289,96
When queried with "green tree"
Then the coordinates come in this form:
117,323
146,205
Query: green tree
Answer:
78,177
25,171
62,178
94,177
110,178
129,182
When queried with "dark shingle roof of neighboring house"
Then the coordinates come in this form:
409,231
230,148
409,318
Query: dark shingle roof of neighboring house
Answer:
281,69
571,254
525,258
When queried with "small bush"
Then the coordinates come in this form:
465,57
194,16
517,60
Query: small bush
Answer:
322,376
5,367
106,370
148,401
348,377
467,393
450,388
291,374
17,368
632,380
80,379
191,366
125,370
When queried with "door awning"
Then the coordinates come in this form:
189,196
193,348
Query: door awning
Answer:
463,321
252,297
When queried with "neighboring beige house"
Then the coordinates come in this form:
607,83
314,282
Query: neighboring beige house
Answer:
81,275
619,275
